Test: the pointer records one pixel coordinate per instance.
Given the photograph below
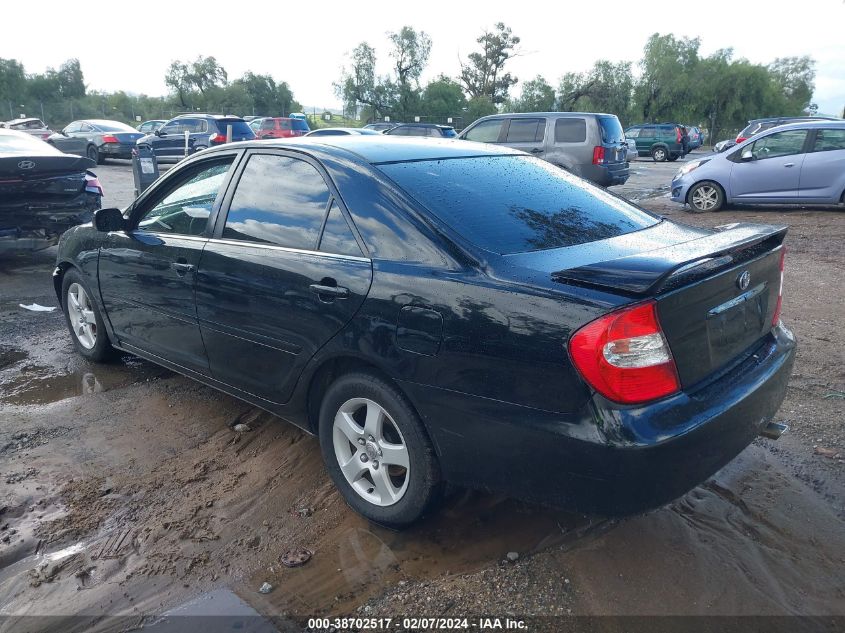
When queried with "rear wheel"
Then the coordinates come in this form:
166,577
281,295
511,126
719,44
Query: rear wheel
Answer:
83,318
673,157
93,154
659,154
706,196
377,451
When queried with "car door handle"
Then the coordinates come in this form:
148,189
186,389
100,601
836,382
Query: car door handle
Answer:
536,150
789,165
182,268
338,292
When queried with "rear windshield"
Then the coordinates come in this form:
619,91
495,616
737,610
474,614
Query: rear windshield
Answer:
239,127
299,124
114,126
611,130
513,204
23,143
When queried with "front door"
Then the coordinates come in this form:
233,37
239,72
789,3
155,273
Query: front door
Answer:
774,171
170,141
147,273
283,274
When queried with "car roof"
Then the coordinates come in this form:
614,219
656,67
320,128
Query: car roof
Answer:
201,115
377,148
793,118
520,115
437,125
29,118
805,124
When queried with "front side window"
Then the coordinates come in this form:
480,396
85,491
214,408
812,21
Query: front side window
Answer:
485,132
172,127
783,143
186,209
633,132
829,140
279,200
73,127
526,130
570,130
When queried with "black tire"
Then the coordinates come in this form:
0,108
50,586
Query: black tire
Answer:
424,488
94,154
673,157
711,198
659,154
102,349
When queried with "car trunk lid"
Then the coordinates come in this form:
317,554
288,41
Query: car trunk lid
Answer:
42,176
716,295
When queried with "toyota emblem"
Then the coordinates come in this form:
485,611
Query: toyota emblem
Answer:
744,280
26,164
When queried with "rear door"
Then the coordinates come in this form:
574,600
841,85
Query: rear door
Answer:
147,274
526,134
823,169
283,274
775,170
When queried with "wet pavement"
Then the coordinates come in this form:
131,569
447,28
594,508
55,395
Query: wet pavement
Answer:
127,493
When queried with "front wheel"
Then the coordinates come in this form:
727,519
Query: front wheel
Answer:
83,318
658,154
706,196
377,451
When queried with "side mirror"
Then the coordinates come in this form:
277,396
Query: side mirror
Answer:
110,219
747,154
159,132
63,133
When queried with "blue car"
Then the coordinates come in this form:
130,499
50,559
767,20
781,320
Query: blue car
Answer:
798,163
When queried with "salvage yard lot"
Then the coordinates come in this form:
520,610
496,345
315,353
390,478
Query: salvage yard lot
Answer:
137,475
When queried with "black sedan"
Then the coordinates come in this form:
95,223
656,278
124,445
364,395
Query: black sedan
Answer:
42,192
97,139
438,312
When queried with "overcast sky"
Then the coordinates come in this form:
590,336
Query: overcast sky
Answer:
306,43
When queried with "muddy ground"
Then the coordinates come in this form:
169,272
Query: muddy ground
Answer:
127,492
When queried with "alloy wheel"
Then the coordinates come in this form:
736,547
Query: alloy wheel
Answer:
371,452
705,198
81,316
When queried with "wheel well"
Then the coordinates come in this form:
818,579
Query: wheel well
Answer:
659,146
330,371
62,267
711,182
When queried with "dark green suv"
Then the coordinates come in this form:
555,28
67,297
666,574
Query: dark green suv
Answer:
661,141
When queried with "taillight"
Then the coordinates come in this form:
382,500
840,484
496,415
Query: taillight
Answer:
678,136
598,155
740,139
92,185
779,304
110,138
625,357
218,138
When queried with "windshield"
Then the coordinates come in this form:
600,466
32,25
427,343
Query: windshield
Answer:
512,204
20,142
239,127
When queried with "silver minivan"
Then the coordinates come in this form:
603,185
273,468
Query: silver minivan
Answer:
588,144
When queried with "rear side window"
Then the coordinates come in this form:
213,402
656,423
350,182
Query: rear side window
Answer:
511,204
279,200
268,124
526,130
611,129
570,130
337,236
284,124
194,126
239,127
300,125
829,140
647,132
485,132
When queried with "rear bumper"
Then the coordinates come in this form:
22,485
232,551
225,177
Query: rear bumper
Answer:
117,150
608,458
607,175
33,226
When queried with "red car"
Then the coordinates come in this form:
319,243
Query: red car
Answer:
279,127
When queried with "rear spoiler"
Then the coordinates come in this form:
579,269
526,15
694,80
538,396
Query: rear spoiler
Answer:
665,268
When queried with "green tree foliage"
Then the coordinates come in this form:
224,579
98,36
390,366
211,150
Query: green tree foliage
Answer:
410,53
537,96
606,87
359,84
443,98
266,96
668,84
483,74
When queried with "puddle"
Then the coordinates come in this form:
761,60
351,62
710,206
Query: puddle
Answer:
28,383
471,531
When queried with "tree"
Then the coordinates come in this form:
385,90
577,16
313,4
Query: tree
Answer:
12,80
178,79
267,96
442,98
668,83
360,85
70,80
206,73
795,77
483,75
410,56
606,87
537,96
